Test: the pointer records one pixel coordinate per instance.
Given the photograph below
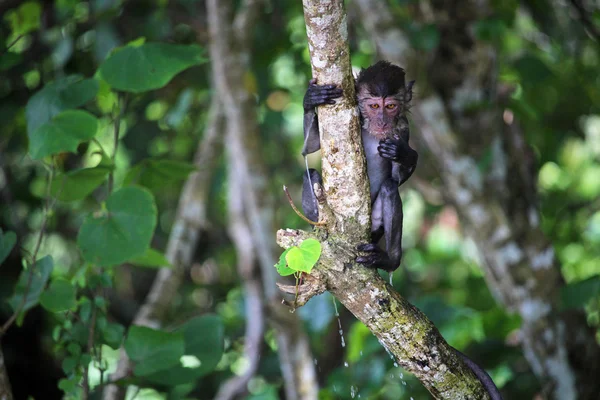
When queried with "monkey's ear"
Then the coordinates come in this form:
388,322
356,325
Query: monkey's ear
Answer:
408,92
356,73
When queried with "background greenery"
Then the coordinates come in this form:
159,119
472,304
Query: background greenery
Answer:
64,93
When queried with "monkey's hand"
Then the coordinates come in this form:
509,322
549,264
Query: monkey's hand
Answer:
376,258
317,95
397,150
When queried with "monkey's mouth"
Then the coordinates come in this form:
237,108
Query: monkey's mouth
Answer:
382,133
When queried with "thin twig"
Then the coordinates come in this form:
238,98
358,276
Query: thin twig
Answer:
111,175
49,206
588,24
90,346
11,45
289,197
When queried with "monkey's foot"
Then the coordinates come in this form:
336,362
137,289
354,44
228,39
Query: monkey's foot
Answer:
376,258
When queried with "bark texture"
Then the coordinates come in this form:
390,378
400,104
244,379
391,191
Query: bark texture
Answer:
459,118
339,126
230,49
401,328
241,234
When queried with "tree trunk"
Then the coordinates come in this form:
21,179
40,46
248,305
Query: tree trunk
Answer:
230,48
402,329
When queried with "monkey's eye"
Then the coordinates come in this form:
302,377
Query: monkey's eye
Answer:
390,106
374,106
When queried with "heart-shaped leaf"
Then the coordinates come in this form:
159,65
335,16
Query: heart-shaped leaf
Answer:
60,296
78,184
63,94
304,257
40,274
156,174
25,18
578,294
204,339
153,350
63,133
148,66
151,259
174,376
122,231
282,267
203,344
7,242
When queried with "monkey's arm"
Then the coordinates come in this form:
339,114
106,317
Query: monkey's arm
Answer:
403,156
398,151
316,95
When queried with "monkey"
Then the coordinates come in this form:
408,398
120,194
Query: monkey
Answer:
383,101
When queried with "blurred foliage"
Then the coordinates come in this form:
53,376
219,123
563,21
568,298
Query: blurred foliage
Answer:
67,86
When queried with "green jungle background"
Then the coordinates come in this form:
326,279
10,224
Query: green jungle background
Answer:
67,85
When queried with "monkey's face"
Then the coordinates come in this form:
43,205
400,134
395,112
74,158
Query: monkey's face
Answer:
380,115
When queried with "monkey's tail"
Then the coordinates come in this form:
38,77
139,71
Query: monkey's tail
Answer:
312,189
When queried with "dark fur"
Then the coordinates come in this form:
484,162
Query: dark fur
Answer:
382,79
390,162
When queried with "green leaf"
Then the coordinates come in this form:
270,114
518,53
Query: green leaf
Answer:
156,174
153,350
68,385
304,257
63,133
532,70
490,29
148,66
7,242
25,18
204,339
120,232
40,274
578,294
282,267
69,364
60,296
9,60
78,184
174,376
63,94
360,343
112,334
151,259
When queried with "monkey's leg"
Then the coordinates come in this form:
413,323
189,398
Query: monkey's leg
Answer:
392,222
309,201
386,214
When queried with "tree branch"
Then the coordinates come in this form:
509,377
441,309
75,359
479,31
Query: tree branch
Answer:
400,327
584,16
230,56
240,232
